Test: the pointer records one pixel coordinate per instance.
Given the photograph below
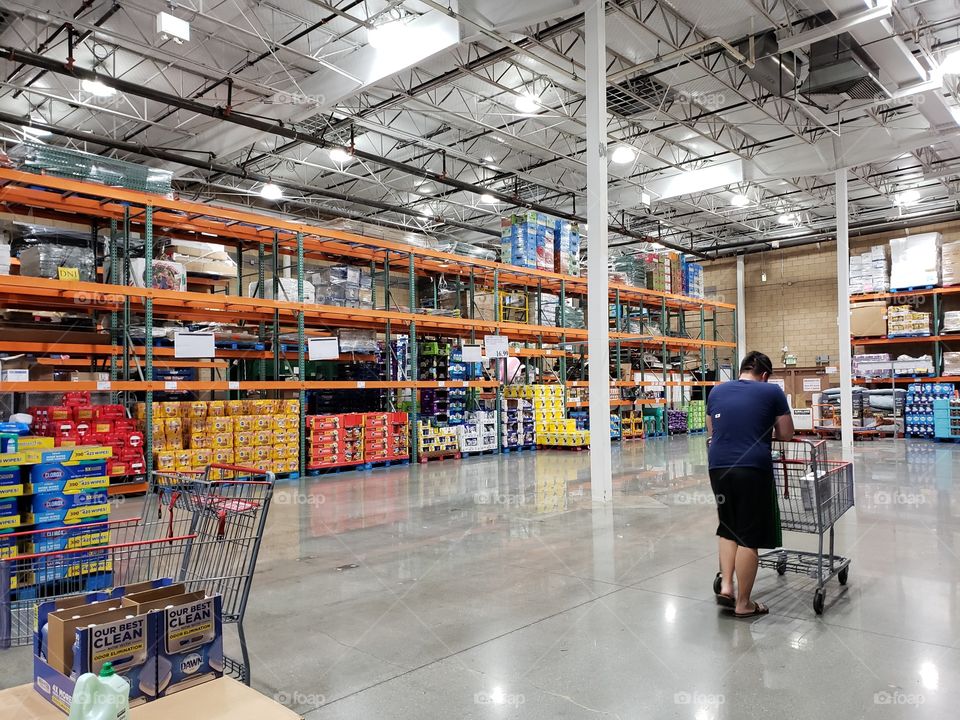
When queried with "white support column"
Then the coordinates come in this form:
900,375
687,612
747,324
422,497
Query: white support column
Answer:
843,316
741,313
598,298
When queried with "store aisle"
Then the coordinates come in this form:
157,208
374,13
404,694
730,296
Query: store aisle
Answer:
491,588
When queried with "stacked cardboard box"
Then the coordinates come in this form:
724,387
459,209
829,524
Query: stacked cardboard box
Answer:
868,271
386,436
286,290
436,440
479,432
566,248
951,364
76,422
696,415
951,321
520,236
872,365
189,436
335,440
517,424
693,285
903,321
915,261
547,410
950,264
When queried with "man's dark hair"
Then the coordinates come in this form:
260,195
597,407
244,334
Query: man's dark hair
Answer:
756,363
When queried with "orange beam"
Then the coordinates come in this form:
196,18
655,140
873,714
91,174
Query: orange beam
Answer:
158,386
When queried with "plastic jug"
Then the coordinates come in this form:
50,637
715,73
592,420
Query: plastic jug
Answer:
103,697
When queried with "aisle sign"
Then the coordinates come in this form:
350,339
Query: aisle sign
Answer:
497,346
193,345
323,348
472,353
68,273
812,385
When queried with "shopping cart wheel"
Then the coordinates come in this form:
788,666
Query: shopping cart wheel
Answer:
717,584
842,575
781,567
819,597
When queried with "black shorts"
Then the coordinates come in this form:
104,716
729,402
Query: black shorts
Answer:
747,506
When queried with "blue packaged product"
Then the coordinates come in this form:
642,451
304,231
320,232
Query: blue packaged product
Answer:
53,538
9,514
68,479
69,509
190,644
11,484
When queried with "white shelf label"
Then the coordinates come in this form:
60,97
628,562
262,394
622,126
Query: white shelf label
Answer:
233,385
442,383
170,385
193,345
361,385
325,348
472,353
497,346
103,385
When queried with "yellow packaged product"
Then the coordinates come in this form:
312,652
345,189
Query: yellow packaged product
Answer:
220,425
166,461
202,457
243,423
235,407
279,452
174,442
263,437
223,456
169,409
158,427
196,409
290,407
183,458
140,411
262,453
200,440
243,454
216,408
172,426
221,440
243,439
262,422
292,465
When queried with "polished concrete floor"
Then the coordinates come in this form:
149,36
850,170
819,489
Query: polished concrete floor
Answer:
493,588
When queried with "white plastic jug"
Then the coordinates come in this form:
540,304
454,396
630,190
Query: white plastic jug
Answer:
106,697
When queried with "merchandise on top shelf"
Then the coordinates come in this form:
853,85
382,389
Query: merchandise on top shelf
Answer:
873,365
868,319
951,364
920,406
343,286
915,261
286,290
907,366
903,321
868,271
566,248
950,263
201,258
693,285
167,275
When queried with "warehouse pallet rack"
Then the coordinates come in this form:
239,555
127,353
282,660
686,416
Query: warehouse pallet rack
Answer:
937,342
116,303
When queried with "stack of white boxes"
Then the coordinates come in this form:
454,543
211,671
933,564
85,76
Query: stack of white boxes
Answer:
479,432
915,261
4,257
868,271
950,264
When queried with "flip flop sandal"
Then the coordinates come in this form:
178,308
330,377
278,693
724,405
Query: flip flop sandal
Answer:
758,609
726,600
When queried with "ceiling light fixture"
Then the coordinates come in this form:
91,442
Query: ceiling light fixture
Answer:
488,158
170,27
488,199
339,155
739,200
623,154
270,191
526,104
425,212
95,87
908,197
387,36
950,64
788,218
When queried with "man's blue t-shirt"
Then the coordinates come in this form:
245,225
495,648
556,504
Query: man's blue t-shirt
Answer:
743,413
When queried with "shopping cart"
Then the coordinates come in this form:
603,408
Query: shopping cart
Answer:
201,529
812,494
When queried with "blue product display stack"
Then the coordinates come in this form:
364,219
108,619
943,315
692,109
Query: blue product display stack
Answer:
919,421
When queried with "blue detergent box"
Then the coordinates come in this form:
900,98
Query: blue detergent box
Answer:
68,478
69,509
11,483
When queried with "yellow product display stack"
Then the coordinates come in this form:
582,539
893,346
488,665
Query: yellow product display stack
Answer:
261,434
437,440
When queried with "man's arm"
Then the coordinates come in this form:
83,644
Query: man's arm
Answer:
784,428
